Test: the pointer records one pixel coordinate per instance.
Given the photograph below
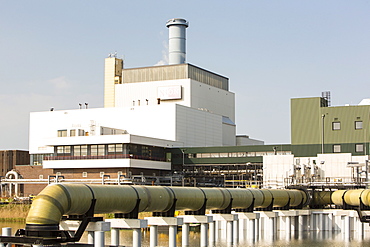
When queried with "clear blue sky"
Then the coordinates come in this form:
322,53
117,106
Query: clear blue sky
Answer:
52,54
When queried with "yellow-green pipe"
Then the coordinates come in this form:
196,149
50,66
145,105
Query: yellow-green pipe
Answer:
75,199
351,197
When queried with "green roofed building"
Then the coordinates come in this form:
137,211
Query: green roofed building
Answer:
317,129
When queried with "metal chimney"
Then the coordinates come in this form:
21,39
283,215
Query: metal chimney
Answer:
177,40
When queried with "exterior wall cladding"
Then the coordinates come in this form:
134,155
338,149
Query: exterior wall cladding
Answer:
314,123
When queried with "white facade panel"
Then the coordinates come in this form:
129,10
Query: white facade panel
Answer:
151,121
194,94
146,93
275,169
213,99
106,163
198,128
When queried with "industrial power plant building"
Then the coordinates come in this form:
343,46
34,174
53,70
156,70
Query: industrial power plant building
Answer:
178,120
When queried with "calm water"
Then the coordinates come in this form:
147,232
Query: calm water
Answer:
321,239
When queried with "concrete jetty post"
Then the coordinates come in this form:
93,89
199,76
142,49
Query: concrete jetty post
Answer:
90,237
185,234
114,236
203,220
229,219
172,232
99,239
171,222
212,233
153,236
120,223
236,231
203,234
269,223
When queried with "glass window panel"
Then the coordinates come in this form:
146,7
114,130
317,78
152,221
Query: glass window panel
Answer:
84,150
77,151
358,125
336,148
112,148
62,133
101,149
359,148
94,150
336,125
119,148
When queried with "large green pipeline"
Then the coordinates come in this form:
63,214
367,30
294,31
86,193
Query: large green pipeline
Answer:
351,197
57,200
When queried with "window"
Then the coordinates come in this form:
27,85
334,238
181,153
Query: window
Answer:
359,148
336,148
336,125
81,132
80,150
358,125
72,133
101,174
62,133
59,174
41,176
84,174
63,150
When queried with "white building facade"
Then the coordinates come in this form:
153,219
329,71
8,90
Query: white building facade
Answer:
146,111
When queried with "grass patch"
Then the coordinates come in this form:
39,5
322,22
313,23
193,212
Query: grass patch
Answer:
14,212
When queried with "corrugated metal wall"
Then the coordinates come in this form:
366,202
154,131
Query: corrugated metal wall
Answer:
175,72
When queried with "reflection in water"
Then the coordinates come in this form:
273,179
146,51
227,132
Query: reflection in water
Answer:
301,239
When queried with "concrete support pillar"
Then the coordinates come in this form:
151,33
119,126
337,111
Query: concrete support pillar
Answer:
99,239
114,236
203,220
229,233
90,237
217,230
171,222
185,235
248,225
136,237
269,224
212,233
203,234
135,224
288,225
153,236
236,231
172,232
347,227
242,228
228,219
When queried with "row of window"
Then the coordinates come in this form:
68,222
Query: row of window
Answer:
72,132
236,154
359,148
84,174
337,125
134,150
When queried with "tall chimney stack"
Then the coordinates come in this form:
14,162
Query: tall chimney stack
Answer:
177,40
